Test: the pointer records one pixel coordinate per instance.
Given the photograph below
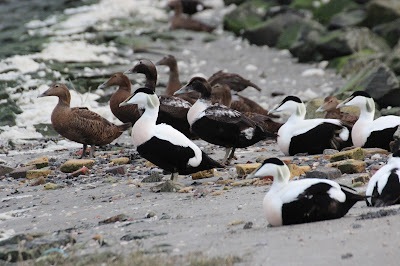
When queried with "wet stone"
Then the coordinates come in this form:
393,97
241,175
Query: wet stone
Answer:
356,154
324,172
39,162
364,178
75,164
21,171
152,178
117,170
33,174
4,169
248,225
167,187
114,219
119,161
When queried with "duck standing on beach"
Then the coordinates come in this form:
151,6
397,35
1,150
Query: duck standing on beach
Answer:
312,136
163,145
172,110
367,132
79,124
129,113
302,201
384,186
219,124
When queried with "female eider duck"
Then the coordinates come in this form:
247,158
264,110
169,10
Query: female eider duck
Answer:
219,124
190,7
129,113
299,135
330,107
367,132
304,200
173,110
234,81
384,186
79,124
163,145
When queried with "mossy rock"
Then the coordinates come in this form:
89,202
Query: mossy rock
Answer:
350,18
382,11
351,64
389,31
312,106
288,37
46,130
394,59
303,4
8,112
246,16
75,164
325,12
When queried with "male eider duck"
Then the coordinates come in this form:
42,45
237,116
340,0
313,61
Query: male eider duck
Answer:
163,145
234,81
190,7
330,107
367,132
304,200
79,124
173,110
129,113
384,186
178,21
312,136
219,124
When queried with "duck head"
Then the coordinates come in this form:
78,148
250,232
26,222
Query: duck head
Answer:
59,90
329,104
198,84
222,93
143,97
117,79
360,99
273,167
168,60
291,104
146,67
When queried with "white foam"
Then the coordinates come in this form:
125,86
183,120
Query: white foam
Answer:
22,63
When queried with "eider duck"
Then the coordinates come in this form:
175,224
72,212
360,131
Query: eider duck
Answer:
330,107
234,81
173,110
163,145
174,83
129,113
312,136
384,186
218,124
304,200
79,124
187,23
190,7
367,132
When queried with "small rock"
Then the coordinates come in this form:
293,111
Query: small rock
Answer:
39,162
150,214
203,174
375,150
224,182
186,190
217,193
364,178
248,225
119,161
349,166
263,182
298,170
82,171
330,151
152,178
32,174
21,171
226,188
168,186
117,218
356,154
150,164
75,164
39,181
245,169
51,186
117,170
324,172
201,192
5,169
110,179
347,256
138,195
236,222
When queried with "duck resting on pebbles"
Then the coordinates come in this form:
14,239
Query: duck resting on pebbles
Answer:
312,136
367,132
79,124
304,200
330,107
384,186
218,124
163,145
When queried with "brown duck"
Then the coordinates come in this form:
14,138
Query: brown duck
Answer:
187,23
329,106
128,113
173,110
234,81
190,7
79,124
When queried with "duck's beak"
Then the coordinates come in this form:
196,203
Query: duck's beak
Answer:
103,86
321,108
184,89
126,102
342,104
253,174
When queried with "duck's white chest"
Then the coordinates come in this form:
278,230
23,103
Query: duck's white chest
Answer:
272,206
196,111
284,138
359,133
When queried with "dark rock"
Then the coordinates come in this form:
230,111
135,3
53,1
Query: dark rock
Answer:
379,214
168,186
379,81
324,172
154,177
382,11
21,171
248,225
246,16
268,32
394,59
236,2
46,130
389,31
354,63
347,19
117,170
114,219
326,11
8,112
141,235
4,169
347,256
350,40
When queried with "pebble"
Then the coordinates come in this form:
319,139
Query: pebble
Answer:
324,172
117,170
75,164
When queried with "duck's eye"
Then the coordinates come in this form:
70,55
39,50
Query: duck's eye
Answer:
57,86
